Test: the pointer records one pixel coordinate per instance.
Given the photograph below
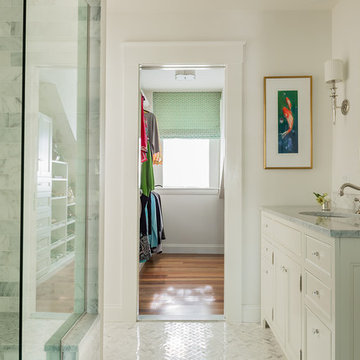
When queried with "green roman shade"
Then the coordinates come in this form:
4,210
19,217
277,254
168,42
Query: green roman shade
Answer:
188,114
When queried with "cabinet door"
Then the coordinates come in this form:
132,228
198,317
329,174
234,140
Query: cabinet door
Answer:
267,291
279,294
44,145
293,309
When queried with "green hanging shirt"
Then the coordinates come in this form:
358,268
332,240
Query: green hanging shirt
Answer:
147,174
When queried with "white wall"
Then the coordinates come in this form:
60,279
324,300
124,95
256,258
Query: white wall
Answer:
278,43
193,223
346,132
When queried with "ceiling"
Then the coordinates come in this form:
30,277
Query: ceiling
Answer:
224,5
164,80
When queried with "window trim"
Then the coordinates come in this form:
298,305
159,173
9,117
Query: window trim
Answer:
187,191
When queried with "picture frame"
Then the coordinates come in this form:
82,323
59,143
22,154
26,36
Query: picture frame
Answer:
288,136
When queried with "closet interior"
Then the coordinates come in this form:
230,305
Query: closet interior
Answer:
181,235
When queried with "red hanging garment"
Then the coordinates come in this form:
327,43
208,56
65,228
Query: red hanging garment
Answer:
143,139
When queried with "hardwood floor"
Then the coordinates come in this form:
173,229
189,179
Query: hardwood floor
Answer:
182,285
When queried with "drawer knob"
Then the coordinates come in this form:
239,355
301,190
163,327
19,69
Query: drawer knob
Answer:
316,253
316,293
316,331
266,272
284,269
266,225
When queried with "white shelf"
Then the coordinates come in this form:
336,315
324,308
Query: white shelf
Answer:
62,261
58,225
61,251
57,243
58,197
70,237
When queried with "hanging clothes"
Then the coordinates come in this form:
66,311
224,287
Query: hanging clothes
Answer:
143,136
152,132
151,226
147,174
151,222
144,251
159,216
154,235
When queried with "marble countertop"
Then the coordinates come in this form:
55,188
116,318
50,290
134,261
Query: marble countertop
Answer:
331,226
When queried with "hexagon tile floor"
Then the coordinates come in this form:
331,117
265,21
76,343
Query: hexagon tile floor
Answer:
189,341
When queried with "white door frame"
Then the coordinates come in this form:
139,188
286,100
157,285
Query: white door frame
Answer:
121,218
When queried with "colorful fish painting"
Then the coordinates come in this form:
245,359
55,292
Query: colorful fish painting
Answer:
288,136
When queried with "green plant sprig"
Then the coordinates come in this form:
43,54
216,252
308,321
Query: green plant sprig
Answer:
320,198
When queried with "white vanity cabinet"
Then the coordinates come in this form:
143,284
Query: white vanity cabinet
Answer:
281,290
310,289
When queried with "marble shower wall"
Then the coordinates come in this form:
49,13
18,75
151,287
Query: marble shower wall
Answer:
94,155
11,24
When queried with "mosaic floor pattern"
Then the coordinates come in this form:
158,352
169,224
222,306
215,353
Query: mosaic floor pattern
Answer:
189,341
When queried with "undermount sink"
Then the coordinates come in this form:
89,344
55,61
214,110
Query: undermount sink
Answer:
326,214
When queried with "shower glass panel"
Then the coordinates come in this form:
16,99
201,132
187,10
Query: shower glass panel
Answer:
11,31
55,174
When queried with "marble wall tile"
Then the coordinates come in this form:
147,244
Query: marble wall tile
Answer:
10,169
94,155
9,289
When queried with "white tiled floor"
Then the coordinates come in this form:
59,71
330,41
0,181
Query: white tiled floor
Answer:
189,341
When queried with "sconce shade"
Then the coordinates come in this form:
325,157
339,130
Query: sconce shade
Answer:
334,70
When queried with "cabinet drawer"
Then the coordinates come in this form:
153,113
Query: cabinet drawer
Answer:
267,226
44,185
288,237
43,239
267,251
43,202
318,294
284,235
42,254
319,255
43,222
318,338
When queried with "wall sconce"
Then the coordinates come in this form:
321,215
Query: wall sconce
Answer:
334,72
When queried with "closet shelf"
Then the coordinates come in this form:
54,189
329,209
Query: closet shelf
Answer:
58,197
58,225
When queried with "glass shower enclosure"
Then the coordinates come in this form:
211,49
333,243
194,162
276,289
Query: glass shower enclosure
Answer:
47,154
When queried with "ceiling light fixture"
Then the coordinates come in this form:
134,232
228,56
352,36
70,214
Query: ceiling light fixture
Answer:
185,75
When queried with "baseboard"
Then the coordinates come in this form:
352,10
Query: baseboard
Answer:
251,313
192,248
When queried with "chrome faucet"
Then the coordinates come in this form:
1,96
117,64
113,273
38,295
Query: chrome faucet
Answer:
343,186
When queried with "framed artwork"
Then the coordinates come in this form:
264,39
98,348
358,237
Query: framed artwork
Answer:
288,122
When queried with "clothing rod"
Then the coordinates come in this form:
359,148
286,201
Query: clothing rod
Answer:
146,101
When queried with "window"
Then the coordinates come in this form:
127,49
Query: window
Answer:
186,163
189,125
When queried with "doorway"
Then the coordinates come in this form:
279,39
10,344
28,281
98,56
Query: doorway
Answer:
121,225
182,274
